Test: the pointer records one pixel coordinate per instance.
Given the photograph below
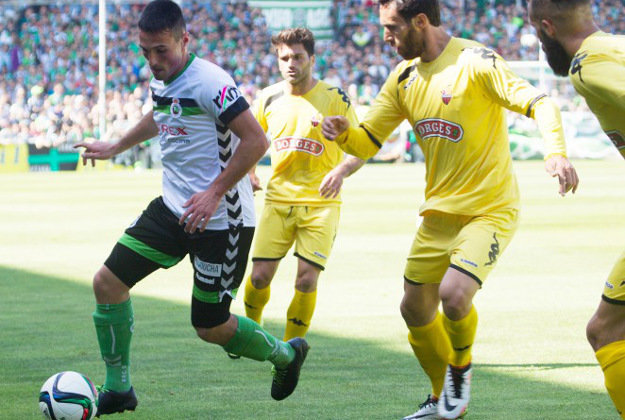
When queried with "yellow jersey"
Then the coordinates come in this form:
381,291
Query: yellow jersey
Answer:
598,74
300,155
456,107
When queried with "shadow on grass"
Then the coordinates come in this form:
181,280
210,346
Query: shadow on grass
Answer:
46,327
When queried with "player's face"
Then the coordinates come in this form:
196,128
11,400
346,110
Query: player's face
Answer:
399,34
557,57
165,54
295,64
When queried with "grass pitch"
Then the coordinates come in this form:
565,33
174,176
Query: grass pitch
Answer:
531,357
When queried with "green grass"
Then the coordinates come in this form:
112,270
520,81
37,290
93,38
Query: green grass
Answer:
531,357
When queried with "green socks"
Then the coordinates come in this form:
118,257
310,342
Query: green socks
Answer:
253,342
114,324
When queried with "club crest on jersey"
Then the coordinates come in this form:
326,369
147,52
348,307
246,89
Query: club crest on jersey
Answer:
175,108
436,127
316,119
299,144
446,96
618,139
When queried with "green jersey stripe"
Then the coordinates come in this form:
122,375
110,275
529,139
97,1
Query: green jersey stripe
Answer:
148,252
190,110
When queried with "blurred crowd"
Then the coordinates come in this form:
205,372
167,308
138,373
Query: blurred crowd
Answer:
49,56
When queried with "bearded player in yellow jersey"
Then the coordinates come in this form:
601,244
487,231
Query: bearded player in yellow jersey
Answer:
595,64
303,195
454,92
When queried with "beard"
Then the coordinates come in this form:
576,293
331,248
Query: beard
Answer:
411,46
557,57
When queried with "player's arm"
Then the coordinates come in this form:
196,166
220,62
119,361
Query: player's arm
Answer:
365,140
254,180
333,181
201,206
518,95
144,130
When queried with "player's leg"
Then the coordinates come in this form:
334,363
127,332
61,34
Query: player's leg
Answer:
210,308
474,252
606,335
427,261
258,287
314,237
274,237
142,249
302,306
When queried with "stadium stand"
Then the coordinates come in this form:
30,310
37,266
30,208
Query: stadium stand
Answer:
49,56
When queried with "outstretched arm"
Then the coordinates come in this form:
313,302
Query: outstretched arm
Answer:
144,130
356,141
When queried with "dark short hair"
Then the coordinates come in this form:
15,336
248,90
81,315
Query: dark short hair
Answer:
539,6
294,36
410,8
162,15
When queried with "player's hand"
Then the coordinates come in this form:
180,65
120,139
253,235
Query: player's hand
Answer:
332,183
255,181
332,127
200,208
559,166
97,150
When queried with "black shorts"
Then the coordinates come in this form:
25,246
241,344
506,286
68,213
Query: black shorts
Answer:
219,257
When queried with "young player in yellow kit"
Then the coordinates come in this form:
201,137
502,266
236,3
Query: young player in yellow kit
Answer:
595,64
303,195
454,92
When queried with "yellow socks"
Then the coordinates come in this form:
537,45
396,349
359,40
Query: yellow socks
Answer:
255,300
611,357
299,314
430,343
461,334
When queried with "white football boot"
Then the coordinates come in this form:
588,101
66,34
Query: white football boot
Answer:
454,399
427,410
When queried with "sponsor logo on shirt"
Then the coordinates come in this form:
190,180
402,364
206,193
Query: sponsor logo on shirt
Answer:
299,144
173,131
436,127
227,96
618,139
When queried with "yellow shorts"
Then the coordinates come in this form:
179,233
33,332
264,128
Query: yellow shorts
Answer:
313,230
614,290
470,244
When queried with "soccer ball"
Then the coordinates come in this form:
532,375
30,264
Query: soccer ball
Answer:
68,396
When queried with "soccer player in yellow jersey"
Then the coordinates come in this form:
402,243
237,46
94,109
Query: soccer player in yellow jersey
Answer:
595,64
303,195
454,92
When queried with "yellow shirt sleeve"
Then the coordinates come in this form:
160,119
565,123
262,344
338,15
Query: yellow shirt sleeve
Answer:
516,94
259,112
383,117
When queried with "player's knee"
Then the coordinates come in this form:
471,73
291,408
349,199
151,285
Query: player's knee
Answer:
414,314
594,330
210,335
218,334
260,280
107,288
306,283
456,304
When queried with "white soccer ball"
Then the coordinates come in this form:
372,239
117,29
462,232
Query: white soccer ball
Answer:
68,396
